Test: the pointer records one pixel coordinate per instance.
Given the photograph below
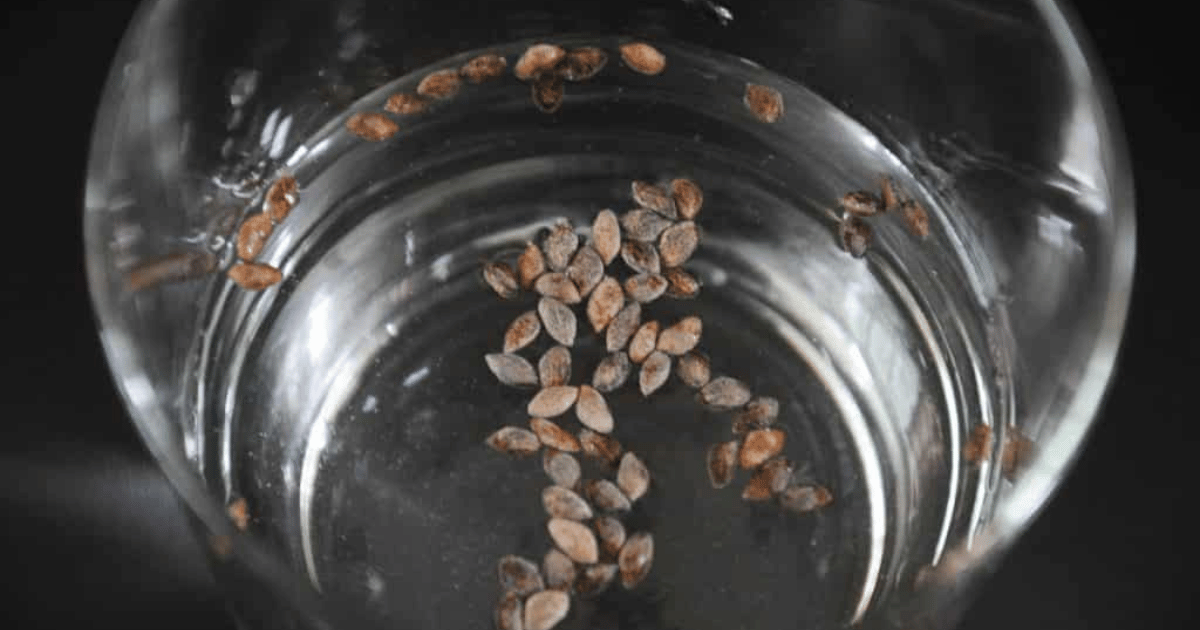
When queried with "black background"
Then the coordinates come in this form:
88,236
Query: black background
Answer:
94,538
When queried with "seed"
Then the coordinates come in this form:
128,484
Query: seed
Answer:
281,197
595,579
560,502
514,441
681,337
622,326
554,368
558,286
1017,452
915,218
887,194
757,414
694,370
560,245
558,320
500,277
856,236
643,58
861,203
371,126
805,498
511,369
518,576
602,447
645,287
254,276
547,92
538,59
554,436
612,372
681,285
769,480
688,198
586,270
759,446
559,570
605,303
522,331
644,225
641,257
652,197
606,235
552,401
562,468
611,534
530,265
678,243
654,372
765,103
582,64
592,411
253,235
643,342
605,495
636,557
239,513
725,392
574,539
510,614
722,463
633,477
545,609
483,68
440,84
979,446
405,104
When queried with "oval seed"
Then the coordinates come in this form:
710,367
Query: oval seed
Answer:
606,235
605,495
558,286
558,320
861,203
643,58
586,270
681,337
547,93
654,372
552,401
544,610
645,288
725,392
511,369
722,463
510,614
371,126
554,368
635,559
644,225
440,84
605,304
887,194
560,502
765,103
915,218
677,243
562,468
518,576
253,235
405,104
554,436
856,236
560,245
643,342
538,59
239,513
759,413
688,198
611,534
483,68
600,447
805,498
681,285
559,570
254,276
574,539
622,326
522,331
652,197
530,265
612,372
500,277
633,477
281,198
1016,453
759,446
641,257
595,579
582,64
592,411
768,480
514,441
694,370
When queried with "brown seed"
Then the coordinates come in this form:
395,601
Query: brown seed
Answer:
440,84
979,445
404,104
654,198
722,463
554,436
554,368
861,203
562,468
606,235
511,369
1015,455
522,331
530,265
537,60
483,68
654,372
560,502
769,480
371,126
622,326
552,401
560,246
574,539
805,498
558,320
759,446
887,194
681,337
765,103
547,92
694,370
643,342
605,303
514,441
678,243
611,534
633,477
856,236
601,447
559,570
558,286
582,64
641,257
612,372
595,579
592,411
643,58
544,610
636,557
281,198
253,235
681,285
645,288
759,413
605,495
500,277
254,276
518,576
586,270
239,513
915,218
644,225
510,614
688,198
725,392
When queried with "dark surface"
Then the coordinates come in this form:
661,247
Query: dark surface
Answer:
93,537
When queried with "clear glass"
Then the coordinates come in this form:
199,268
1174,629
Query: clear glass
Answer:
348,405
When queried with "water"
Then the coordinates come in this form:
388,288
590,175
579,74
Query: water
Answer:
350,405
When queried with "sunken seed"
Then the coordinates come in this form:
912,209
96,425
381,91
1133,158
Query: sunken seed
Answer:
545,609
371,126
405,104
759,413
654,372
440,84
547,92
688,198
654,198
887,194
559,570
769,480
915,218
574,539
554,436
253,234
805,498
586,270
281,197
558,286
765,103
530,265
605,495
643,58
643,342
759,446
552,401
558,320
1017,452
560,245
622,326
595,579
678,243
592,411
522,331
483,68
681,285
694,370
635,559
601,447
611,534
681,337
612,372
512,369
725,392
510,614
554,368
560,502
500,277
641,257
562,468
856,236
644,225
979,446
254,276
538,59
861,203
582,64
722,463
605,303
606,235
645,287
514,441
633,477
238,513
518,576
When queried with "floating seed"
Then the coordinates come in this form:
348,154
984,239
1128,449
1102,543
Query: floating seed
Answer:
530,265
514,441
371,126
605,495
979,445
769,480
678,243
559,570
759,446
861,203
554,436
558,320
654,372
1017,452
652,197
681,285
592,411
622,326
518,576
606,235
636,557
611,534
688,198
915,218
563,469
522,331
253,235
856,236
483,68
643,58
725,392
440,84
552,401
605,304
641,257
560,245
281,197
582,64
887,194
254,276
644,225
722,463
586,270
633,477
759,413
554,368
547,91
545,609
239,513
601,447
765,103
560,502
558,286
512,369
645,288
595,579
405,104
694,370
643,342
805,498
538,59
500,277
510,614
681,337
574,539
612,372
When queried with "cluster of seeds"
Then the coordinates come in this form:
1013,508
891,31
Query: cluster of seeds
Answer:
252,236
859,205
